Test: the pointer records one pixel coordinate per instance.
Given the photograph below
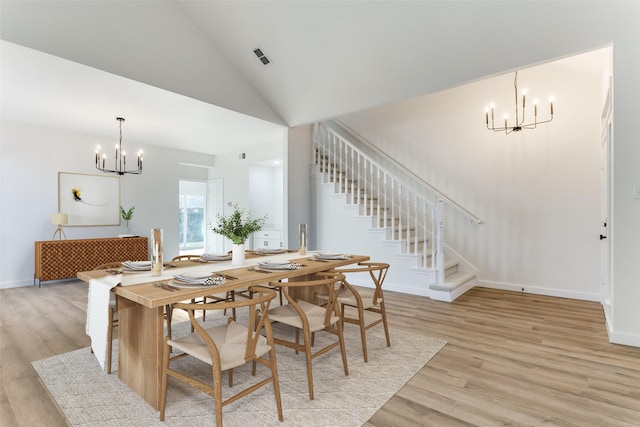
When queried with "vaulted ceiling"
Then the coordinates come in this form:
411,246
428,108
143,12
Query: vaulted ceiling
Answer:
184,74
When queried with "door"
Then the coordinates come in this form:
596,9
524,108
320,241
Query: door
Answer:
605,204
215,207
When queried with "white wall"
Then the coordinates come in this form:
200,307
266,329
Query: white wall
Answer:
538,191
625,224
298,188
266,188
31,158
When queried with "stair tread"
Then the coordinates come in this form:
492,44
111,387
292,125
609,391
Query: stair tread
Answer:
452,281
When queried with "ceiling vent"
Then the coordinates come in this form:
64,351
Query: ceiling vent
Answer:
261,56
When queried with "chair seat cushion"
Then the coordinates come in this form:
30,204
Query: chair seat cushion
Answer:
229,339
289,316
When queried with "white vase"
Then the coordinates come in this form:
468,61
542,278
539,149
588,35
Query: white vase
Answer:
237,254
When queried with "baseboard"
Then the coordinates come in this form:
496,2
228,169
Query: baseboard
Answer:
16,284
29,282
620,338
561,293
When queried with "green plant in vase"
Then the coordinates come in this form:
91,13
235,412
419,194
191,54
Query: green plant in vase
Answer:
127,215
238,227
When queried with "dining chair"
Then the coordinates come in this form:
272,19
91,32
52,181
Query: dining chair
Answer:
185,257
113,315
364,301
228,296
310,318
225,347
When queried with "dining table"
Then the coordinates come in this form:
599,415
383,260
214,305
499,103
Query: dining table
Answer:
141,298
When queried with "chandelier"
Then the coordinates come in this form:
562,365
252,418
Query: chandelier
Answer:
519,119
120,165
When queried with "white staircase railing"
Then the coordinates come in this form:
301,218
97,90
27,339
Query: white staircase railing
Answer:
407,215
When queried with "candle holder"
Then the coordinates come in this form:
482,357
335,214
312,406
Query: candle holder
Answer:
156,251
302,239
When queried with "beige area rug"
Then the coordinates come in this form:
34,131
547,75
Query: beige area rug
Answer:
89,397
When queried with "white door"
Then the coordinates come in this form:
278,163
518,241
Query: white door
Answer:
215,207
605,204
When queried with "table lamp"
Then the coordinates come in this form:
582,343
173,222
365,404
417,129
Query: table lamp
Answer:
59,219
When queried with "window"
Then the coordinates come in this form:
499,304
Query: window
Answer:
192,216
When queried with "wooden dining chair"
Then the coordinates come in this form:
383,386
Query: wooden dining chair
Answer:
225,347
364,301
185,257
113,314
310,318
228,296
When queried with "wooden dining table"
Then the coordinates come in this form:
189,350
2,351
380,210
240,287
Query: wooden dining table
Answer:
141,307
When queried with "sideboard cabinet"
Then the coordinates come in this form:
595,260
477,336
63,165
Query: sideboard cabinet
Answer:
63,259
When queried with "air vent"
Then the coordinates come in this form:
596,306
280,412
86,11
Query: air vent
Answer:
261,56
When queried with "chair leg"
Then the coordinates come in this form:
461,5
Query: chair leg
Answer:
168,310
343,348
384,322
163,380
110,340
307,351
275,380
363,333
217,395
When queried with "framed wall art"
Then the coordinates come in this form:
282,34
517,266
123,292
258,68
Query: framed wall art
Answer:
89,199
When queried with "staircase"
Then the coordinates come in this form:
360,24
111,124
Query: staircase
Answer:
363,208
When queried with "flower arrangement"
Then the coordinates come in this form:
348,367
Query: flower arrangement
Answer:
127,215
238,226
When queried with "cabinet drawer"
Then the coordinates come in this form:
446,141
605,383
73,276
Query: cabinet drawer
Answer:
268,234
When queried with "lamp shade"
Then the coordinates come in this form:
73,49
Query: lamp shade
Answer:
59,218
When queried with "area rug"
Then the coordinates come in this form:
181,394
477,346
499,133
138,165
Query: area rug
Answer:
87,396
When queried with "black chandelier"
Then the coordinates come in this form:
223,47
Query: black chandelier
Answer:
120,166
519,122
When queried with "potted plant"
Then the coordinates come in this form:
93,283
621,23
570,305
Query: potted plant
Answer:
238,227
127,215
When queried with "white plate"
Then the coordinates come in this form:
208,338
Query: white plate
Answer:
193,276
331,256
198,284
278,266
137,265
270,251
134,264
215,257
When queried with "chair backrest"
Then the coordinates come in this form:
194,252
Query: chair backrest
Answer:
258,319
377,271
108,265
185,257
328,283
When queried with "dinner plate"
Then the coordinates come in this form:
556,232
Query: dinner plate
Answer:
215,257
271,251
137,265
193,276
278,266
209,281
329,256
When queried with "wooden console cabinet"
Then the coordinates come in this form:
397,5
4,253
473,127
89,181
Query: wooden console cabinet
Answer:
63,259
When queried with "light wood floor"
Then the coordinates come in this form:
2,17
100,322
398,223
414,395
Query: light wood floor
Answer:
511,359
